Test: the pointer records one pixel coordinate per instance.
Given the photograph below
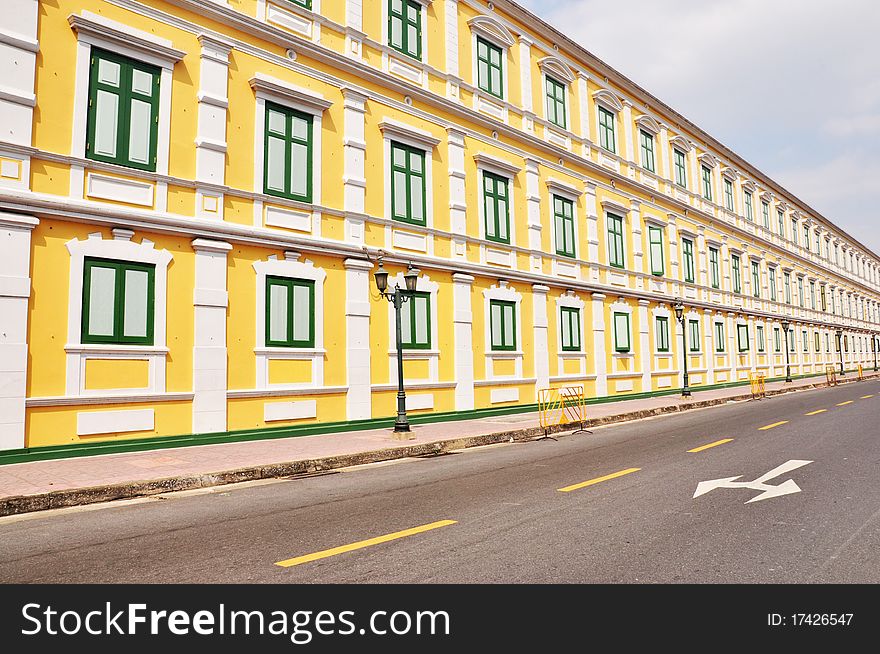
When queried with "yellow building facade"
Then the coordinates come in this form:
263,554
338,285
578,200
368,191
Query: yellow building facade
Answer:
194,196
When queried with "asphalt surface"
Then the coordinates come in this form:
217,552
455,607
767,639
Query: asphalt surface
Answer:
512,524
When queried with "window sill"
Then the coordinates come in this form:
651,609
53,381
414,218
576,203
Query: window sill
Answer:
305,351
505,353
110,348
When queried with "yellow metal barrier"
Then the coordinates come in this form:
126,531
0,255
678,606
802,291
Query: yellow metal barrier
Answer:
562,406
861,373
831,375
757,382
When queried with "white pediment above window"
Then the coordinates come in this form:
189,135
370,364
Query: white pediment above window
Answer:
768,197
495,164
563,188
750,186
681,143
105,32
287,93
708,160
608,100
648,124
557,69
730,173
412,135
610,206
492,29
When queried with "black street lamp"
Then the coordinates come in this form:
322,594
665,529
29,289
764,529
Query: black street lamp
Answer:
839,334
785,327
398,297
874,349
679,315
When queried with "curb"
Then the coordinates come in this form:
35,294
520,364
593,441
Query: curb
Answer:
128,490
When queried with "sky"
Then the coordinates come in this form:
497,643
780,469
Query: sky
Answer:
793,87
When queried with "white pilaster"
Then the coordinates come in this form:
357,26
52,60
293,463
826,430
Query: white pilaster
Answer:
702,262
357,336
354,21
15,291
211,137
210,300
450,10
525,68
541,344
354,147
584,100
457,192
638,251
672,231
600,356
592,218
18,60
628,137
533,213
708,349
665,154
464,350
645,345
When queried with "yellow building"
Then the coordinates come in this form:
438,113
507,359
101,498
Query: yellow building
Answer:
193,196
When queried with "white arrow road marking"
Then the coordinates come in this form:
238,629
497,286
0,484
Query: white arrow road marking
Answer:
785,488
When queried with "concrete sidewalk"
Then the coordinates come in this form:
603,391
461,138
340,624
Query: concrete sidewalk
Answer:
41,485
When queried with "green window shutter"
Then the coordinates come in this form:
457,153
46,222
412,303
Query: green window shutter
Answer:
621,332
806,340
490,73
118,302
290,312
777,340
816,341
662,333
772,272
123,113
707,183
408,186
288,153
680,168
800,291
694,329
786,283
806,237
742,337
305,4
735,271
714,269
719,337
687,247
647,146
405,27
502,325
606,130
813,296
570,328
555,95
615,241
496,206
794,234
655,241
781,219
750,216
563,220
415,322
759,335
756,279
728,195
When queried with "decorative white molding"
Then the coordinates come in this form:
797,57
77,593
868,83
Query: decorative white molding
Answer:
608,99
649,124
289,94
408,134
497,165
275,411
492,29
90,423
557,69
98,30
681,143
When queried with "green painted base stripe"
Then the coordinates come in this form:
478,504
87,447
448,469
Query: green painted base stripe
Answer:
164,442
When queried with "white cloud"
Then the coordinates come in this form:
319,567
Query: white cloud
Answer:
792,86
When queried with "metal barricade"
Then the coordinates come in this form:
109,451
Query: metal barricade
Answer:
861,373
757,382
831,375
560,407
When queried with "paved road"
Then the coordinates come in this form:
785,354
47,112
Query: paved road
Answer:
512,523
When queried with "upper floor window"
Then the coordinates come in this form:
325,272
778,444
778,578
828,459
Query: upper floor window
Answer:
405,27
801,292
305,4
490,71
786,282
707,183
813,295
680,168
794,233
496,207
756,279
415,322
806,237
555,92
118,302
606,130
781,218
735,273
288,153
772,273
728,196
615,241
408,203
123,112
765,212
714,270
655,243
747,201
646,143
563,219
290,314
687,249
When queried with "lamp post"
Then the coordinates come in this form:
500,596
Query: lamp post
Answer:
874,349
839,334
679,315
785,327
397,298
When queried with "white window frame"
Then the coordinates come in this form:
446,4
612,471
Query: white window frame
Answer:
289,266
556,69
497,166
120,247
497,34
504,292
610,102
567,192
571,300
